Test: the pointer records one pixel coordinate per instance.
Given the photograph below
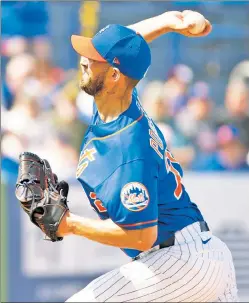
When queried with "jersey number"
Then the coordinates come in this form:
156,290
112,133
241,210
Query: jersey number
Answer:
99,205
157,145
169,159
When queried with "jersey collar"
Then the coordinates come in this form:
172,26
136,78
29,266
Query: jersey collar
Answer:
101,129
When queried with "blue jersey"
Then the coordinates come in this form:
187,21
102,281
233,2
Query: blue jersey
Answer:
130,176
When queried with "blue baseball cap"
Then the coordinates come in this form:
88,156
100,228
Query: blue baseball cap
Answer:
118,45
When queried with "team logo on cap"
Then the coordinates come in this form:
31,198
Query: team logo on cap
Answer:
135,196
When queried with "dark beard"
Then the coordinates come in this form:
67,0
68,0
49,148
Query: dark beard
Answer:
92,88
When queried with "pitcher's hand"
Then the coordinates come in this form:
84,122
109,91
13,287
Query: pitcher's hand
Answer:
175,20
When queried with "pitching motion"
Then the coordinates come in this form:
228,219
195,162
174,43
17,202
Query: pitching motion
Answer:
132,181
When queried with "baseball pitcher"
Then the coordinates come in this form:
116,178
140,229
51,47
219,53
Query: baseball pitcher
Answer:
132,181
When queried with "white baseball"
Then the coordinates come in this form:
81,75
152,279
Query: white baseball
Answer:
196,18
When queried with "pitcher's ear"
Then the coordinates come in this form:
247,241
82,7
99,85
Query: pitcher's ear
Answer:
116,74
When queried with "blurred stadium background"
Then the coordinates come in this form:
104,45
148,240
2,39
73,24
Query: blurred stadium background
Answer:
197,90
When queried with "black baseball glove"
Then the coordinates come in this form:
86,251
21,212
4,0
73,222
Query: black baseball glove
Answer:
40,194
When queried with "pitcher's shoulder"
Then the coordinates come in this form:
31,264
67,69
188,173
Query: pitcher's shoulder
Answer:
137,142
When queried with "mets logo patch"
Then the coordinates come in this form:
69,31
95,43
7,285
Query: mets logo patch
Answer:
135,196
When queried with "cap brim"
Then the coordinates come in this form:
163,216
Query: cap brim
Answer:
84,47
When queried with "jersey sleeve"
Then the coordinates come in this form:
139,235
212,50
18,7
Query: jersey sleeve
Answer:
130,196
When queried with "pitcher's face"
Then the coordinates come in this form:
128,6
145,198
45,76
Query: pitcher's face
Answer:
93,75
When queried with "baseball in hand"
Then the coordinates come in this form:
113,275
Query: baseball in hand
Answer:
197,19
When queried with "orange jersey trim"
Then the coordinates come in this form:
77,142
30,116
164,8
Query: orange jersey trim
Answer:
117,132
137,224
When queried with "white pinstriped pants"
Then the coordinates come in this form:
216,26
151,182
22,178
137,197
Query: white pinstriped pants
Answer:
189,271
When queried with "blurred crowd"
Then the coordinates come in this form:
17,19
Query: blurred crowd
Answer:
201,135
39,112
44,112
